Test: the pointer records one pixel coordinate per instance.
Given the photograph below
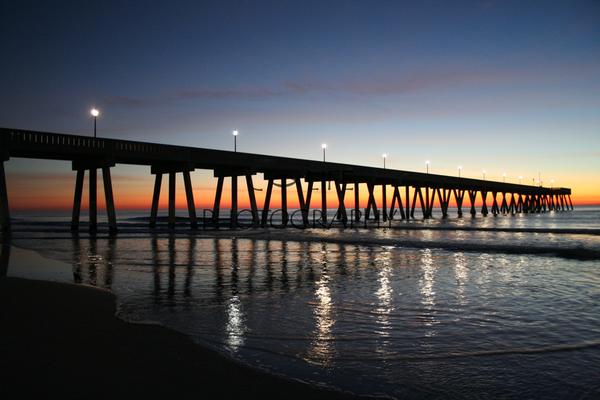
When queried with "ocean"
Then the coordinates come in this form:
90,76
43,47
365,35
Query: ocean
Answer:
502,307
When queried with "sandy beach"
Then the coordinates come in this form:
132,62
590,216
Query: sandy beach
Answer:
64,340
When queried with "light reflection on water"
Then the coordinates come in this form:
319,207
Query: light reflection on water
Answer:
365,318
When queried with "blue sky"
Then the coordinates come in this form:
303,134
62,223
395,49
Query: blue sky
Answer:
495,85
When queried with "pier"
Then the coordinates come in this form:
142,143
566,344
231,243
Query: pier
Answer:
412,192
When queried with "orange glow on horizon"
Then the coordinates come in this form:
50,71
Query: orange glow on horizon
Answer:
136,194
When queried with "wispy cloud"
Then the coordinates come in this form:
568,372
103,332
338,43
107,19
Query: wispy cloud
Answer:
299,88
228,93
387,85
126,101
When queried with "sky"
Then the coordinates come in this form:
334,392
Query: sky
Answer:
506,87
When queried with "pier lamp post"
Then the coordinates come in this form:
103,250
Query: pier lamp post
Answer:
459,170
384,155
504,177
94,111
520,180
483,172
235,135
551,183
427,165
324,147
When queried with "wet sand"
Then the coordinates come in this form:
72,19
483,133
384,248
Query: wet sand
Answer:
64,340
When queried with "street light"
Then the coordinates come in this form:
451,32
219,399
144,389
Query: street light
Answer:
551,183
483,172
235,135
427,165
504,177
324,147
384,155
520,180
459,169
94,111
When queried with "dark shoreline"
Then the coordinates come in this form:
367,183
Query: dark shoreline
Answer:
64,339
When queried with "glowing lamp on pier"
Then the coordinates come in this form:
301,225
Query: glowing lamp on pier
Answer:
384,155
459,170
504,177
520,179
94,112
427,165
483,173
235,135
324,147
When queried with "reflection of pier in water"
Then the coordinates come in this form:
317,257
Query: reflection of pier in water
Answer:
89,260
231,277
234,266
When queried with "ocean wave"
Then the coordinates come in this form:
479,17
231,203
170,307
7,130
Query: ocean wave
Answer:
574,250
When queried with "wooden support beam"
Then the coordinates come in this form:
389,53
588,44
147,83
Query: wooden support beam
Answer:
396,200
341,193
189,194
233,214
284,212
368,209
570,202
560,202
265,212
309,191
542,203
427,211
512,205
458,197
472,197
372,204
4,208
407,193
217,202
252,198
430,205
414,202
93,199
172,177
484,208
422,202
76,199
495,209
356,202
384,202
110,202
324,202
303,209
445,198
155,198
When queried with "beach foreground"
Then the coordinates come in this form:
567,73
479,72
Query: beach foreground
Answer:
65,340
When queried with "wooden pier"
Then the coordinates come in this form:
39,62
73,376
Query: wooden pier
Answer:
88,154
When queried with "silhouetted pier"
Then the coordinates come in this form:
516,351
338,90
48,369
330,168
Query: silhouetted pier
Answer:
90,154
